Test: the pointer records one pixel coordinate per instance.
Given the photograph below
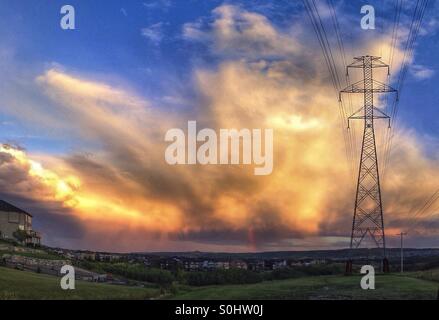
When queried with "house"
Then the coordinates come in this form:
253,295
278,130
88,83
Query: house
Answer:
256,265
238,264
171,264
279,264
107,257
222,265
211,265
13,219
85,255
194,265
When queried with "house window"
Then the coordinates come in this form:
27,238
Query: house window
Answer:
13,217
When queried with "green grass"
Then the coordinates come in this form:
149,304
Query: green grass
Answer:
319,287
16,284
431,275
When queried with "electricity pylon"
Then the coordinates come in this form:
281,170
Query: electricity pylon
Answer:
368,212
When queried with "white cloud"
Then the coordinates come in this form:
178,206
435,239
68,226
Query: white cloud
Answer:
157,4
421,72
154,33
193,31
239,33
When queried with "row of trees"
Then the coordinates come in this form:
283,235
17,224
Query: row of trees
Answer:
132,271
237,276
202,278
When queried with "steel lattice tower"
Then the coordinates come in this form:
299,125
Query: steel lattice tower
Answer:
368,212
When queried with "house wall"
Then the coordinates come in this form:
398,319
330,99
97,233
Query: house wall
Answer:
11,222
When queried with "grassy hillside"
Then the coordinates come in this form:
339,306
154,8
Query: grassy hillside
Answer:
26,285
320,287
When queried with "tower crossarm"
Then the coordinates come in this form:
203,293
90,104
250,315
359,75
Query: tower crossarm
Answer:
360,87
376,114
375,62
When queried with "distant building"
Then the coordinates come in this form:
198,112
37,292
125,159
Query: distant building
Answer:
85,255
204,265
171,264
274,264
319,261
280,264
222,265
211,265
107,257
191,265
238,264
256,265
13,219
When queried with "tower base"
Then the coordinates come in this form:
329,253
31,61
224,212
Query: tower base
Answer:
348,270
386,266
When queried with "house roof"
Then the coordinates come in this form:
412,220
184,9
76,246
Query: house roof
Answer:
7,207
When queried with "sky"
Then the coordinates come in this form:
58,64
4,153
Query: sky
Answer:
84,113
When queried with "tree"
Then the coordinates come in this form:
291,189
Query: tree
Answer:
20,235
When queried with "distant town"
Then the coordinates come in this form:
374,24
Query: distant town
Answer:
24,261
21,249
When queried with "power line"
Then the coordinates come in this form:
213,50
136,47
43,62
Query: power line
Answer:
416,23
351,133
322,36
395,33
416,219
